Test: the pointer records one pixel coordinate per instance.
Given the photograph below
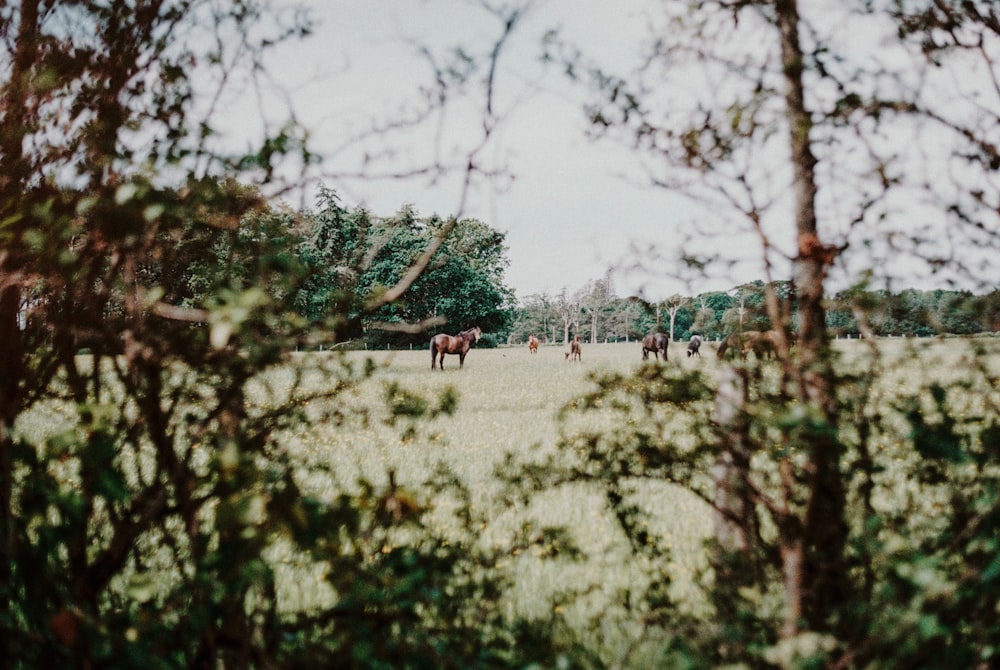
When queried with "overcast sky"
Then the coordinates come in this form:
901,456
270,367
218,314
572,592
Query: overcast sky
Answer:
574,207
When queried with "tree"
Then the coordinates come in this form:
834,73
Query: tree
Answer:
594,299
536,316
768,144
137,526
462,285
85,182
674,304
568,309
335,247
747,312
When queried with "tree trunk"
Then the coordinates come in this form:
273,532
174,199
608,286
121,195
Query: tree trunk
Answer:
821,584
10,375
13,172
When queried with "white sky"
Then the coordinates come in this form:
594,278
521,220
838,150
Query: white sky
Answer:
569,212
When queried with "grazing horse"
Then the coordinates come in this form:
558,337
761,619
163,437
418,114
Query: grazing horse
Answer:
442,344
655,342
694,346
763,345
772,341
532,344
574,350
741,343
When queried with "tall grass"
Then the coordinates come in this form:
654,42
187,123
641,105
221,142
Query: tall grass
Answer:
508,406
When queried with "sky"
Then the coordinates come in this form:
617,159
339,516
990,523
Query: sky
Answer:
571,207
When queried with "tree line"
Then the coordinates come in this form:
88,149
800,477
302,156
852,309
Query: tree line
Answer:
343,260
597,314
342,254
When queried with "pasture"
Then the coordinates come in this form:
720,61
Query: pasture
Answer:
508,404
508,401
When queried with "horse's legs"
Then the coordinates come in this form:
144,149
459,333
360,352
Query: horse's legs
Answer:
461,360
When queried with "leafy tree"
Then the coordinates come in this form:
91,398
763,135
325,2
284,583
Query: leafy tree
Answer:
535,316
568,309
840,316
145,487
462,285
334,247
803,570
595,301
673,305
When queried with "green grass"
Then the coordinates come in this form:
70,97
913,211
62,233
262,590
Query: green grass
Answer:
508,402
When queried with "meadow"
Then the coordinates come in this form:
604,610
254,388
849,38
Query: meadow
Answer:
508,407
508,402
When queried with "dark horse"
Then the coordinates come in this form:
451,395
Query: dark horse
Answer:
694,346
655,342
453,344
740,344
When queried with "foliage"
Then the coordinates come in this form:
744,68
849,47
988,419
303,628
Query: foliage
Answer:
149,488
146,487
715,314
922,472
354,254
820,159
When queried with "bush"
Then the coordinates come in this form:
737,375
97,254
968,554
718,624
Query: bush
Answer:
487,341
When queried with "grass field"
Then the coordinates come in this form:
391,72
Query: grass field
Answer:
508,402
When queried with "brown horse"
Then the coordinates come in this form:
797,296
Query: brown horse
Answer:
574,350
742,344
772,341
532,344
655,342
694,346
763,344
442,344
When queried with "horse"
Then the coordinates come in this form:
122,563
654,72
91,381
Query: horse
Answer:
694,346
574,350
742,343
763,344
443,343
655,342
532,344
772,341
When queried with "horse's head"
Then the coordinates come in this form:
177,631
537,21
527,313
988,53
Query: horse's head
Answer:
477,332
